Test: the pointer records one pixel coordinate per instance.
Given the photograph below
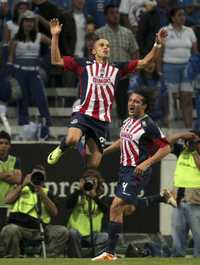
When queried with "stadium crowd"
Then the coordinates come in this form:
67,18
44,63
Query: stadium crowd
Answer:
130,27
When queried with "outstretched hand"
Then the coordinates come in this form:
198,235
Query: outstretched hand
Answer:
55,26
161,36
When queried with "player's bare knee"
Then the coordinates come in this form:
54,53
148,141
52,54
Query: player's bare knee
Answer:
72,140
115,209
128,209
93,164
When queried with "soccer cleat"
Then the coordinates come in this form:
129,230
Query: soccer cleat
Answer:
169,198
54,156
105,256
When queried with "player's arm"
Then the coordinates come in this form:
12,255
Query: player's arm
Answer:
155,52
112,148
55,28
159,154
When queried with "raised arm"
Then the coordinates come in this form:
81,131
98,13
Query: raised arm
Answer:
55,28
155,51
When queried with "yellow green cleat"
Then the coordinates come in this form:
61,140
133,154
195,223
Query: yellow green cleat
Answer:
54,156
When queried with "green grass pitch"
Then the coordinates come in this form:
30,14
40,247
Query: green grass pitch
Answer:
123,261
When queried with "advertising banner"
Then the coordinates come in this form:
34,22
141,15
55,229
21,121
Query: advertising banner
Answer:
63,179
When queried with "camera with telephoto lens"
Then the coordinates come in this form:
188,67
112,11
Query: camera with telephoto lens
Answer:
89,184
37,177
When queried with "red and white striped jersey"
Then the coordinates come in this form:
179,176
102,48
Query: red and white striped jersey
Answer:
139,139
97,84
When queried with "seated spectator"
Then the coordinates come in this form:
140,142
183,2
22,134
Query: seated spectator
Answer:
82,215
24,56
12,26
30,207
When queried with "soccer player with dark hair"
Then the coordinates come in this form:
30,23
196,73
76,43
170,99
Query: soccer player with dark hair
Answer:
141,145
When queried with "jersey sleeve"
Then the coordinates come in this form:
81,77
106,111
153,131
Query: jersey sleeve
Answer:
156,135
71,64
127,68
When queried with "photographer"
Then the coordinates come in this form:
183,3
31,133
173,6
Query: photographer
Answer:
10,169
187,181
87,208
31,210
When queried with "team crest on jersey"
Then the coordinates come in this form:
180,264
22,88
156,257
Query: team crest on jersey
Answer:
88,62
75,121
144,124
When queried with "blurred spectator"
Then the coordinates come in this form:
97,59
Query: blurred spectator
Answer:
10,91
86,206
10,170
80,22
47,10
4,15
63,3
192,12
149,24
90,39
194,76
180,44
131,10
24,55
32,207
148,78
12,26
123,48
96,10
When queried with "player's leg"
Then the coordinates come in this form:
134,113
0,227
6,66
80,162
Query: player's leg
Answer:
165,196
72,138
95,152
115,228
